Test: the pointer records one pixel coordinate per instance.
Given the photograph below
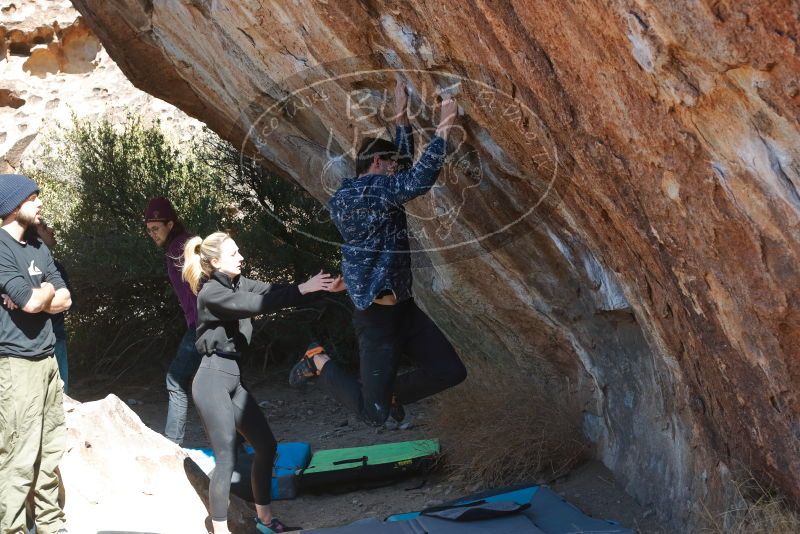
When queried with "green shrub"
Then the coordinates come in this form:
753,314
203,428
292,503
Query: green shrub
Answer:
96,179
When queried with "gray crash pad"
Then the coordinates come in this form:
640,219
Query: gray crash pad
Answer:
513,524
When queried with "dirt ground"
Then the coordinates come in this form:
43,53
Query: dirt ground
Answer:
310,415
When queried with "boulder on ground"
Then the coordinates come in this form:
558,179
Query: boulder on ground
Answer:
119,475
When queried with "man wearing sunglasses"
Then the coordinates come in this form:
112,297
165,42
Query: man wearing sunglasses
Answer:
368,211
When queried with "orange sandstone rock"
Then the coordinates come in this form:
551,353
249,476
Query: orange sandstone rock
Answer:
621,214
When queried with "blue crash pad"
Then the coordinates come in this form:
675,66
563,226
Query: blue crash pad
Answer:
548,512
290,457
519,496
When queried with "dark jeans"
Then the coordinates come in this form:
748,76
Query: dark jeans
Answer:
61,349
225,406
384,334
179,380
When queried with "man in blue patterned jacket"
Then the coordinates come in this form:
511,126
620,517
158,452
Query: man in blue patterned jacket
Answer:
369,213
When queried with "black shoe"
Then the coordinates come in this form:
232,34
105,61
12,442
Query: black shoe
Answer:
305,370
396,411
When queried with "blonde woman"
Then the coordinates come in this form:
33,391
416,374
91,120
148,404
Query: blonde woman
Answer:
225,304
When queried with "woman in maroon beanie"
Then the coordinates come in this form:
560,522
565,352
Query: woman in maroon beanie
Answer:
166,230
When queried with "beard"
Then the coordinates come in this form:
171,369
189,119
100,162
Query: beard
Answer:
27,219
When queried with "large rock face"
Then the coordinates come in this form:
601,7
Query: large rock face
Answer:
53,66
622,214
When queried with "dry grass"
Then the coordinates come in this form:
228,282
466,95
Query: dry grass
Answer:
759,512
496,430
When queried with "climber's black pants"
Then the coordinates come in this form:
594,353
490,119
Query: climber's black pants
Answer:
384,334
225,407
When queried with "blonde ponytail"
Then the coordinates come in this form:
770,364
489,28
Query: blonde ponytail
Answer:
197,256
192,271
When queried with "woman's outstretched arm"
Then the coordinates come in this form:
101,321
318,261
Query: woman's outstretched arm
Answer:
254,297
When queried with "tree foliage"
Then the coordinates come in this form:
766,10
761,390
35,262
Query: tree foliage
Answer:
96,179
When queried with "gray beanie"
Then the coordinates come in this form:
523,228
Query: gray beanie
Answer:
14,189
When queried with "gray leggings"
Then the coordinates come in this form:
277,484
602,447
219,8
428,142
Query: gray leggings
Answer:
225,406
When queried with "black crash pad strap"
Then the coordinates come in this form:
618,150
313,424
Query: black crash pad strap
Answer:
475,511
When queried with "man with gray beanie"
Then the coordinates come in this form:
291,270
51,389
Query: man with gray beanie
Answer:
32,431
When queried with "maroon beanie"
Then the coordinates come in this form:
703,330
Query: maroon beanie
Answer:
159,209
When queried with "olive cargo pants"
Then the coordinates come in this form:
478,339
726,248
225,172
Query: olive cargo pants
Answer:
32,442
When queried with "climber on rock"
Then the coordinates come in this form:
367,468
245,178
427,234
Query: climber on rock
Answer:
369,213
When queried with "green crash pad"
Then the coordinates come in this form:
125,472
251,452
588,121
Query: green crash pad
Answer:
370,463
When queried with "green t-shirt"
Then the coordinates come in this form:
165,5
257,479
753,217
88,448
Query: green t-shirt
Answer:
23,267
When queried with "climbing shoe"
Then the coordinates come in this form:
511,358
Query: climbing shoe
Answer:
305,370
273,527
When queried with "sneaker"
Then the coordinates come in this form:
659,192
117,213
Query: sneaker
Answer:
273,527
305,370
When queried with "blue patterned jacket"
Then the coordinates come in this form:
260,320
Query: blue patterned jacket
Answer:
368,211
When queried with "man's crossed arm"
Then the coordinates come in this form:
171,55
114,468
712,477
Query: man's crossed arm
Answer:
43,299
19,294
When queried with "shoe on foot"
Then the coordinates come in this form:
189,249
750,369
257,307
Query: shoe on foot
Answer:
273,527
305,370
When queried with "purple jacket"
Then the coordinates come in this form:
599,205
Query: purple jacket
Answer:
174,260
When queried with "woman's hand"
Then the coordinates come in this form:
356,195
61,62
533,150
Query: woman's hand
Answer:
338,285
320,282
